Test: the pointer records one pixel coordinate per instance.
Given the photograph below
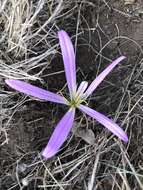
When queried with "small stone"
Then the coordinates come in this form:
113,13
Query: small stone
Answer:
25,182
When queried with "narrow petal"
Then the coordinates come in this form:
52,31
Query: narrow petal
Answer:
108,123
69,60
35,91
82,87
101,76
60,134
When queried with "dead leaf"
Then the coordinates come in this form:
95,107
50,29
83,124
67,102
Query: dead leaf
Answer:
86,134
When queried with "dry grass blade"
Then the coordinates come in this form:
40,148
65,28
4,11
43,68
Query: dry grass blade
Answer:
91,184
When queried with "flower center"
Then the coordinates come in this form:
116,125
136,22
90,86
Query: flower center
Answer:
75,102
78,96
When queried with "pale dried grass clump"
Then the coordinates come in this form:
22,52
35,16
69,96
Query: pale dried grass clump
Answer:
29,35
19,18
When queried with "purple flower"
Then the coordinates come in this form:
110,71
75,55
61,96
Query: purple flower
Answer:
78,96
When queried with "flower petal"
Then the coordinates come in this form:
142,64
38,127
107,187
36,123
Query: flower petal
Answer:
101,76
82,87
60,134
69,60
108,123
35,91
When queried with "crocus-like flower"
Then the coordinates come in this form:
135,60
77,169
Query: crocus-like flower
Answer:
77,98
